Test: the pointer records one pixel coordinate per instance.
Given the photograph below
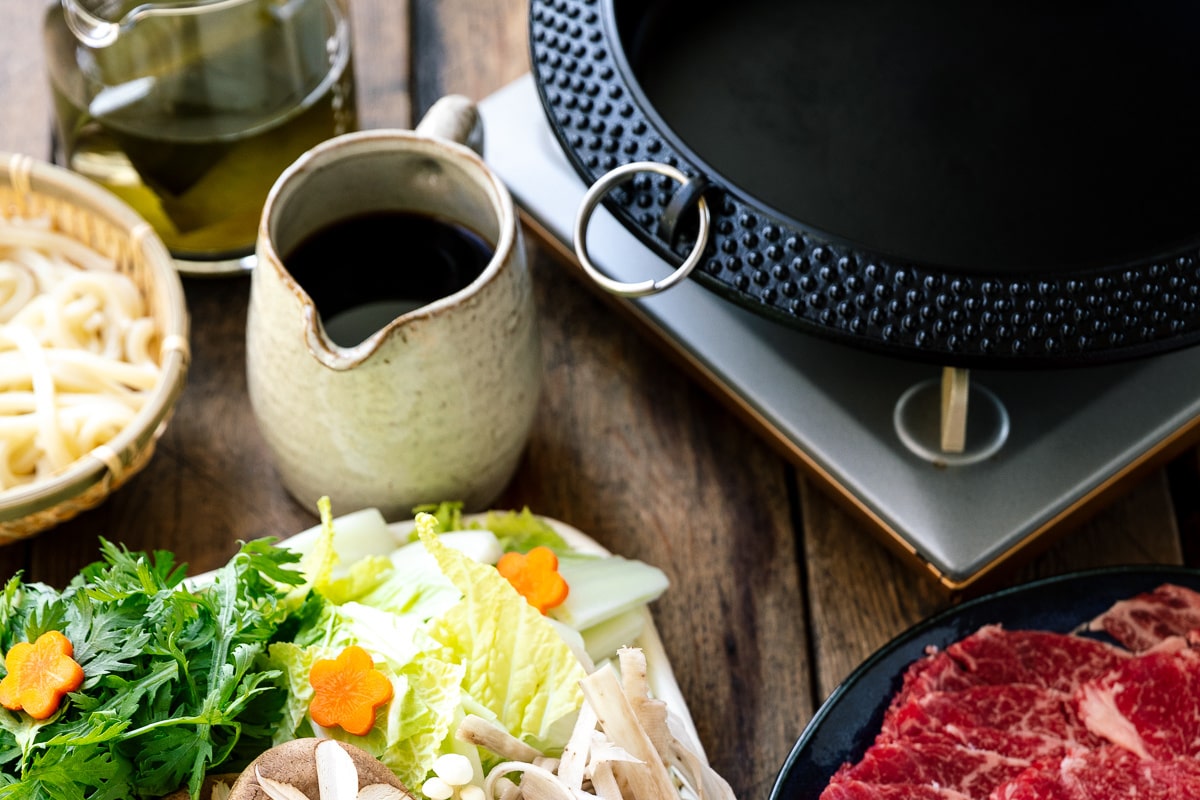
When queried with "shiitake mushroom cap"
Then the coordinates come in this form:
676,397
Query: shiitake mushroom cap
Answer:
295,762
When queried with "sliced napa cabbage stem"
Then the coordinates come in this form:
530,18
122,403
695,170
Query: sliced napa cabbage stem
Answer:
359,534
366,533
606,637
602,588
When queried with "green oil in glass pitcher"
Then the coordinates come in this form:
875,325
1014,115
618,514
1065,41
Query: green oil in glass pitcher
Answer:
190,109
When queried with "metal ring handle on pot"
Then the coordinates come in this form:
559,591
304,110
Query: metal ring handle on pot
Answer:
593,197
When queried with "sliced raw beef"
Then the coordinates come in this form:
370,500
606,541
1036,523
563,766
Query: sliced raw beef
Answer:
1036,715
1109,772
857,790
1142,622
995,656
1150,705
974,773
936,672
1059,661
1021,720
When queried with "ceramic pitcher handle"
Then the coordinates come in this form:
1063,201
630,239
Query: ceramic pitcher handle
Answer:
456,118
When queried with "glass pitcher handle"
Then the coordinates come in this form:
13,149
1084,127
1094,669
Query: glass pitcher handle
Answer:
90,30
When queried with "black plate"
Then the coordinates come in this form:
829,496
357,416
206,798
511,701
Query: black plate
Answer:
850,718
1001,184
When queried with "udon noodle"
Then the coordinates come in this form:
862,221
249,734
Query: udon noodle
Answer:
76,358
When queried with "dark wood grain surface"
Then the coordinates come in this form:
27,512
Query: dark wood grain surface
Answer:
777,594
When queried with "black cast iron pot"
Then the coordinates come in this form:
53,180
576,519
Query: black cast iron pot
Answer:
994,184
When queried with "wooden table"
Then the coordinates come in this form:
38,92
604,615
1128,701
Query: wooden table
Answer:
777,594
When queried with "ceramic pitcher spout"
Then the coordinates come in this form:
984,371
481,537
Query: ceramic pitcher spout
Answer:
333,356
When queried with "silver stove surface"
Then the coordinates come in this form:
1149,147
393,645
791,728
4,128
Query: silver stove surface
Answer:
1072,431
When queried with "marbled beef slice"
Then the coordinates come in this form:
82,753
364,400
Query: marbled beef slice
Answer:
1021,720
1142,622
1150,705
1107,773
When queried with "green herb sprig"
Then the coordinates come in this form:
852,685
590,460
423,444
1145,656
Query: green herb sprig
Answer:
173,686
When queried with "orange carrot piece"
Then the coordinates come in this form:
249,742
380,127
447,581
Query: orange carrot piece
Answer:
535,576
40,675
347,691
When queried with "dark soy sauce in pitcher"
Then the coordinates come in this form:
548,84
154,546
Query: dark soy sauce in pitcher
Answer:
404,260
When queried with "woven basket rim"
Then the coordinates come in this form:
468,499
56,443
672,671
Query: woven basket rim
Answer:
147,425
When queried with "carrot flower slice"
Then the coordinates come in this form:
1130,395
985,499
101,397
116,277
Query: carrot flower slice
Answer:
535,576
347,691
40,675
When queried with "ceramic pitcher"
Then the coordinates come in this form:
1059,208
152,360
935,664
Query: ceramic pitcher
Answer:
436,404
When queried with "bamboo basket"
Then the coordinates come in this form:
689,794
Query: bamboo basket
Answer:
94,216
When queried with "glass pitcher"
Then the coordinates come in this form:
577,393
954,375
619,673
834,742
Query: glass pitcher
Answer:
190,109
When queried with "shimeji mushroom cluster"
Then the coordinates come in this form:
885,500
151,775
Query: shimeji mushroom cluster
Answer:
622,748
